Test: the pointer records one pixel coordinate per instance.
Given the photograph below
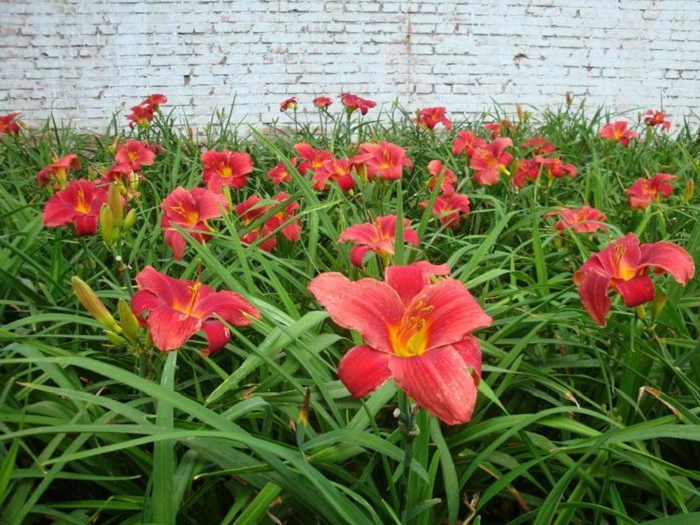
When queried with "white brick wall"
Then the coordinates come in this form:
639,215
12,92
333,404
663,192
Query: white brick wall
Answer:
83,59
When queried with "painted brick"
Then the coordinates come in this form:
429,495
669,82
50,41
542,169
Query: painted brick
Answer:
82,59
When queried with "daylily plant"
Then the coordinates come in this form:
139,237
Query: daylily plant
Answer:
189,210
583,220
378,236
623,267
56,173
416,331
431,117
175,309
645,191
79,203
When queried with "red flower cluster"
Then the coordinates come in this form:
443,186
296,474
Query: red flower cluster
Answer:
142,114
276,214
9,124
618,131
655,118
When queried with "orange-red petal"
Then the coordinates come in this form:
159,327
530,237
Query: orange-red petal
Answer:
439,381
363,369
368,306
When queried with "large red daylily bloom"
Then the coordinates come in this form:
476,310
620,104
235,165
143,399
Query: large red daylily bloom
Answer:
280,173
431,117
79,203
353,102
336,170
386,161
436,169
416,332
225,168
449,208
136,154
466,143
189,210
378,236
57,172
313,158
175,309
9,124
657,118
322,102
489,161
624,267
618,131
584,219
645,191
290,103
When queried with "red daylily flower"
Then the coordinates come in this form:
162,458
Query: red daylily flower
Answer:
280,173
645,191
225,168
255,207
175,309
353,102
387,160
57,172
555,168
528,170
539,146
618,131
583,220
415,332
623,267
449,208
656,118
290,103
322,102
436,168
189,210
155,100
489,161
335,170
498,128
466,142
136,154
79,203
9,124
140,116
313,158
431,117
378,236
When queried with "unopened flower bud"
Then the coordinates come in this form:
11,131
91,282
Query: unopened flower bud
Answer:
107,225
93,304
658,304
116,204
689,190
114,338
128,321
129,220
